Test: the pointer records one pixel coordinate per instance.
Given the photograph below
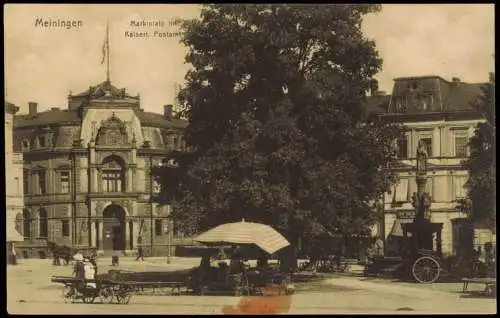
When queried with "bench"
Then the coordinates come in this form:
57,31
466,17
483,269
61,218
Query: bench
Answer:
489,283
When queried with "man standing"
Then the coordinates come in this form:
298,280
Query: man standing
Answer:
140,253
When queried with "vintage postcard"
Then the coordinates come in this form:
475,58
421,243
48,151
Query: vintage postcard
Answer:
250,158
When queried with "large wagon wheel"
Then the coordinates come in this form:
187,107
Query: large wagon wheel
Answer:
123,298
68,293
106,295
426,270
89,299
123,295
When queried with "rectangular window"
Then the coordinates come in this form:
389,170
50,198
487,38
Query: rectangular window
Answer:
42,189
428,145
64,181
112,182
41,141
402,148
459,183
65,228
26,177
158,227
401,191
461,147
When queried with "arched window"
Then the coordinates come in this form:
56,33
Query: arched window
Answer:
44,223
26,224
113,174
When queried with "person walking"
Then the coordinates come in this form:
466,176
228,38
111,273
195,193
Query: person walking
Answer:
140,253
79,272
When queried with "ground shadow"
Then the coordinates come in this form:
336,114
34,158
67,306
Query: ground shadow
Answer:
476,294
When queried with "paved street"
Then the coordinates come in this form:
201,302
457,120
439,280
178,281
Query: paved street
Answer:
31,292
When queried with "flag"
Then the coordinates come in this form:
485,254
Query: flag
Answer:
103,53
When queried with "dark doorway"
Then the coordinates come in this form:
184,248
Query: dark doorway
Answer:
114,228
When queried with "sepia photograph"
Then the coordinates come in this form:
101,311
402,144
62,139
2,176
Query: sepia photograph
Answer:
250,158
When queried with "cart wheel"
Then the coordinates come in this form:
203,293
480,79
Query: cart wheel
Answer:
88,299
426,270
106,295
124,298
68,293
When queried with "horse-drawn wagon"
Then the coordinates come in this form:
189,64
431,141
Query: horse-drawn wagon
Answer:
88,291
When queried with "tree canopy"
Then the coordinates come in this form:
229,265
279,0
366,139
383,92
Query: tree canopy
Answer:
482,162
277,131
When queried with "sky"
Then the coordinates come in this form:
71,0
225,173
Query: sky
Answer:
45,64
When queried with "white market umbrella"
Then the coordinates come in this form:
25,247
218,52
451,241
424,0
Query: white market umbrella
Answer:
243,232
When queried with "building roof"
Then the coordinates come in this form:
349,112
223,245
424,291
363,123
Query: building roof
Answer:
61,117
47,118
428,94
425,95
105,92
154,119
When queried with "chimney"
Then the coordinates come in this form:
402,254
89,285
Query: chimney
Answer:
168,111
455,80
32,108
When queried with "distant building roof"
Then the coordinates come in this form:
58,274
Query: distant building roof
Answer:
430,94
47,118
154,119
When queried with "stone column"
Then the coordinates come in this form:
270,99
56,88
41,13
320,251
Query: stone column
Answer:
101,234
413,143
92,169
130,178
127,233
442,140
94,233
436,142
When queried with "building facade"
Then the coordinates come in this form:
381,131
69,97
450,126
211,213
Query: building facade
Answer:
439,113
13,176
87,172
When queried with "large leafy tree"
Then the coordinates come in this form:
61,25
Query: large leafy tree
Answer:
482,164
276,131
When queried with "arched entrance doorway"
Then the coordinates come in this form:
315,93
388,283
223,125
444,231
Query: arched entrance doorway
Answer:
114,228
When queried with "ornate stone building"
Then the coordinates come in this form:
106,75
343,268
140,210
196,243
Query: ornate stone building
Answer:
13,176
87,172
439,113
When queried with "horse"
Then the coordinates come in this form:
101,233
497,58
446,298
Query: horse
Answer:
60,251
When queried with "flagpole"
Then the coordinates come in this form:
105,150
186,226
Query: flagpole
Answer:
107,51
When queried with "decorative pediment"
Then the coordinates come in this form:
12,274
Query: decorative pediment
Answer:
105,90
112,132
